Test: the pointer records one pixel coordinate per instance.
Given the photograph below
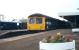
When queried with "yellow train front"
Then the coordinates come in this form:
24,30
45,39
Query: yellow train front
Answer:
36,22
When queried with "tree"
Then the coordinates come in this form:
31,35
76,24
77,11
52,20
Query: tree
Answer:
23,20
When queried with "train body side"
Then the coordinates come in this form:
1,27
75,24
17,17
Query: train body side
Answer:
47,23
12,25
50,23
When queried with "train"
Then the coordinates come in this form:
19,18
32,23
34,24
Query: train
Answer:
12,25
40,22
36,22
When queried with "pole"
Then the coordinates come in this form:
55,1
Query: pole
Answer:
75,21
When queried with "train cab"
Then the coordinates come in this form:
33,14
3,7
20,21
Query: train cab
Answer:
42,22
36,22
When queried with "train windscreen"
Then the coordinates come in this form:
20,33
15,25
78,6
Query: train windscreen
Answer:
38,20
31,20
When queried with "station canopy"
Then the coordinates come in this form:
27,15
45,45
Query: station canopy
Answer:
71,16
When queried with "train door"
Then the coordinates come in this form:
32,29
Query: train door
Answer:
40,23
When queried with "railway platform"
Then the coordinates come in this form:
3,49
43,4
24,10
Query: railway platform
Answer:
31,41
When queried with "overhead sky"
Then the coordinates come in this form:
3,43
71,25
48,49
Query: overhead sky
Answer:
19,9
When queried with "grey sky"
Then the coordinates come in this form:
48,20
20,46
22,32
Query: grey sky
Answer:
19,9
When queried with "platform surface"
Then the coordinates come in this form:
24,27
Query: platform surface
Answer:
31,41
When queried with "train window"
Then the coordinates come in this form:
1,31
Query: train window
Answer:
18,24
48,23
38,20
31,20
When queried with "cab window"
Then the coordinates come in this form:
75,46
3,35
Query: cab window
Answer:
38,20
31,20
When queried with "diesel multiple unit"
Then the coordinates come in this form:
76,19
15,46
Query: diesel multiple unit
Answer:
43,22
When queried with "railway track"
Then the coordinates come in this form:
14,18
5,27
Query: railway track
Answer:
5,31
13,33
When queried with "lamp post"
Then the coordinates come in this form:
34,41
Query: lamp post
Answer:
75,21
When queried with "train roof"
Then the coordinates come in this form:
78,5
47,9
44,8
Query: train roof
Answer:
36,14
40,15
7,22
